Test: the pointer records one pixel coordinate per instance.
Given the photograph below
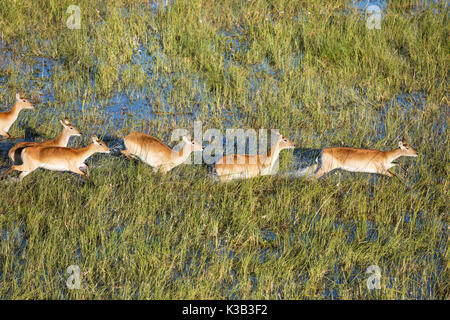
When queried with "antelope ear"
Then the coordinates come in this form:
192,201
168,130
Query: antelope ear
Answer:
66,121
401,144
278,135
94,138
187,138
63,123
17,96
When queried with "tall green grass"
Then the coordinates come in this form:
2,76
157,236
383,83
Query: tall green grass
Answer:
313,71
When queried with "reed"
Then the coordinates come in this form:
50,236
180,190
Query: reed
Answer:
311,70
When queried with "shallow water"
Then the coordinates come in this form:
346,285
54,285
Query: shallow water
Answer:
137,104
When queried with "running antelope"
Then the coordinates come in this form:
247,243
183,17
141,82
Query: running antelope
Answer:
58,158
237,166
62,140
7,118
363,160
155,153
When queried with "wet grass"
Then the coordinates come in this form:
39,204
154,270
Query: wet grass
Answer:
313,71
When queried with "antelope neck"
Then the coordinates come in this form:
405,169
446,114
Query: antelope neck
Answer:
183,153
272,155
63,138
393,154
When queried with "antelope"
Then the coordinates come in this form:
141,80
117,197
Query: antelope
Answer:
58,158
363,160
7,118
155,153
62,140
237,166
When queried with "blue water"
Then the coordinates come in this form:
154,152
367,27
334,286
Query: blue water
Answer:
137,103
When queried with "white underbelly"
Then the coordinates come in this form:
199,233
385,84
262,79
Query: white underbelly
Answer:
368,169
237,176
54,167
269,171
6,128
152,162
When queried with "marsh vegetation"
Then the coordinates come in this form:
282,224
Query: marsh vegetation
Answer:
311,69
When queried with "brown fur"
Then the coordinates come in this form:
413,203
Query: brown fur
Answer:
61,141
8,118
58,158
236,166
362,160
155,153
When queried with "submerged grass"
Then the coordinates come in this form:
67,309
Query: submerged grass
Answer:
313,71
